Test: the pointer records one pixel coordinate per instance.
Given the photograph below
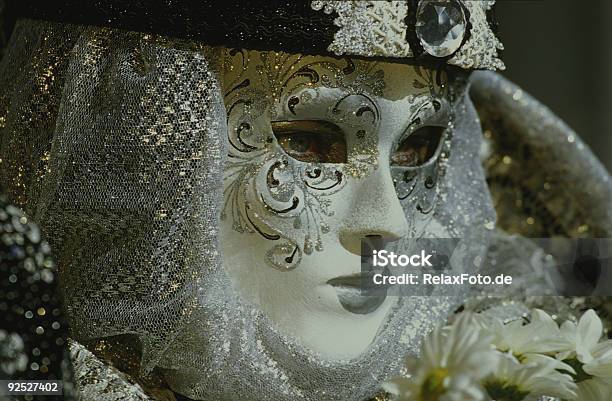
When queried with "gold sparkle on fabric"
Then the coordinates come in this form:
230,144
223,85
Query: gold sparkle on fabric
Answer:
528,204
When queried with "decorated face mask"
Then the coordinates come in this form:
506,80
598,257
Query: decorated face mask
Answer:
129,164
300,157
324,152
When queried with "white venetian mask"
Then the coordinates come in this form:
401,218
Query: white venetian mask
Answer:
324,152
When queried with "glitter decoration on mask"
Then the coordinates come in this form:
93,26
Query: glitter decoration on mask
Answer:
417,186
116,143
268,192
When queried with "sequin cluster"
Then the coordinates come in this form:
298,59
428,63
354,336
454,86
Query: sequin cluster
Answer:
32,326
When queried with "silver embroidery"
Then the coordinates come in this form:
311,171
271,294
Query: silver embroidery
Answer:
377,28
368,28
480,51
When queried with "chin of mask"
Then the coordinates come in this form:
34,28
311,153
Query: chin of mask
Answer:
324,152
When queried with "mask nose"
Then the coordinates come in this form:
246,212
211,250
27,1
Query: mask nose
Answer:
373,210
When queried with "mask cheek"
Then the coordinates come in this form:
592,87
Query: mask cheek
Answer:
286,203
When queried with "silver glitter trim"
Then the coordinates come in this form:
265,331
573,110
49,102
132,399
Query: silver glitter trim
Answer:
377,28
98,381
368,28
480,51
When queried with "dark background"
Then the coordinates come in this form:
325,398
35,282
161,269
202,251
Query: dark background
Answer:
560,51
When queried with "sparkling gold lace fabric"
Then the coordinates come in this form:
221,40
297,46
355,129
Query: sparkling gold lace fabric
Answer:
104,150
543,179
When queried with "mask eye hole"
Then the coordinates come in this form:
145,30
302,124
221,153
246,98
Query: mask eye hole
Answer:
418,148
311,141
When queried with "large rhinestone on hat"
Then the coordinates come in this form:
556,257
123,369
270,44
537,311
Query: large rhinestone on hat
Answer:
440,26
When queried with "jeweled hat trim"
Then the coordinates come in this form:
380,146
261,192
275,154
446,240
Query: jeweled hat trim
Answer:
384,28
451,32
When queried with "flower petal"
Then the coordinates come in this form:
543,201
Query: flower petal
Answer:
398,387
599,368
593,390
589,330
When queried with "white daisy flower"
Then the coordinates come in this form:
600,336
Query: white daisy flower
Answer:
514,381
582,337
452,362
589,356
539,336
531,343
